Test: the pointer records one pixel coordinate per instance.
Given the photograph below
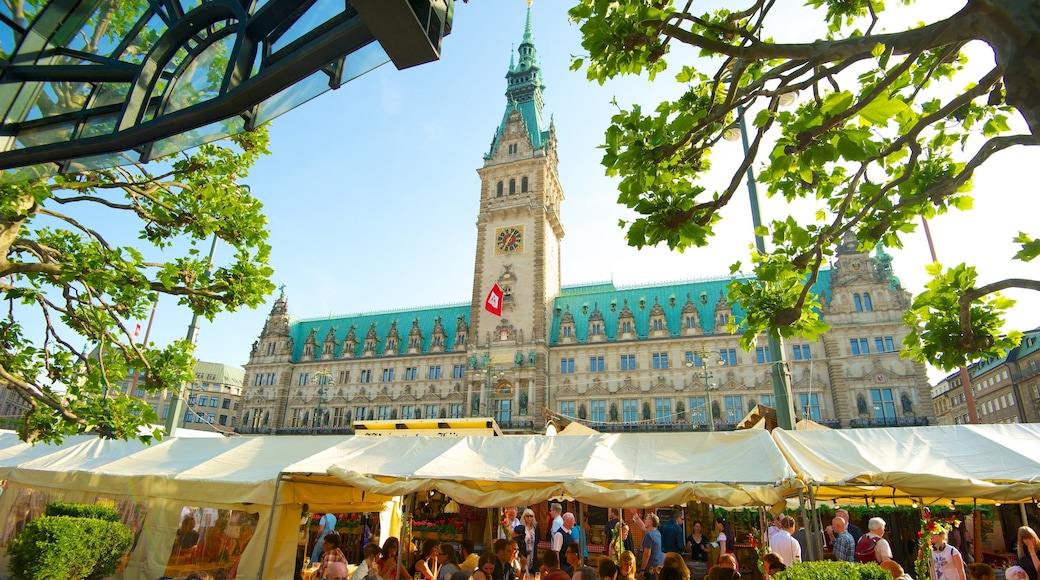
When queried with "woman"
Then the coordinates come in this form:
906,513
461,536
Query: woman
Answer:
627,565
1028,559
447,562
981,571
674,568
698,544
772,564
724,539
425,566
330,552
369,566
389,567
486,567
947,563
526,536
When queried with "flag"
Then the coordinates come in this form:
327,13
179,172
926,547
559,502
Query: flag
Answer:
137,330
493,304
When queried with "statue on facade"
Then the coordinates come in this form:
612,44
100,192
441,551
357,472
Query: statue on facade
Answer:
476,403
861,405
908,405
613,412
523,404
519,359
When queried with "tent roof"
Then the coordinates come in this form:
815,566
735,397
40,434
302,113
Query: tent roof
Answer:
627,470
959,462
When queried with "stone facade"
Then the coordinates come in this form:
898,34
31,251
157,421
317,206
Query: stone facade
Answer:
213,398
618,358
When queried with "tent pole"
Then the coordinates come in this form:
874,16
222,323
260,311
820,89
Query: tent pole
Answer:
270,528
814,536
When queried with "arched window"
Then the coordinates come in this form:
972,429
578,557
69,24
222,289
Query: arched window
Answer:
512,186
498,189
857,302
523,185
867,303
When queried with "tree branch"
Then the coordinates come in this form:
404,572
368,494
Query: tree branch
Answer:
968,339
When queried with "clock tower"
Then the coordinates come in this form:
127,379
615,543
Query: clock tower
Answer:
518,247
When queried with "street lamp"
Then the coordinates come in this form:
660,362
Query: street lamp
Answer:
490,372
323,379
778,369
705,356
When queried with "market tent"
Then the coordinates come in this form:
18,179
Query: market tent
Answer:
956,462
625,470
242,473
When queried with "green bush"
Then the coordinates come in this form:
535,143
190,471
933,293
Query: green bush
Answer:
68,548
82,510
830,570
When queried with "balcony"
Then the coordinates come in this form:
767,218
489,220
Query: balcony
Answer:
889,422
659,427
517,425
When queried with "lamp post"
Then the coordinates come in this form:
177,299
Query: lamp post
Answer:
323,379
487,371
778,368
706,359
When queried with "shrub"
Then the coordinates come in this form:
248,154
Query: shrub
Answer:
830,570
82,510
68,548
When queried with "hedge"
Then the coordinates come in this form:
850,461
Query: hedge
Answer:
831,570
81,510
68,548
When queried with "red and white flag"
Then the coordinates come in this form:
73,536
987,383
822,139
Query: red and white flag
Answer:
137,330
493,304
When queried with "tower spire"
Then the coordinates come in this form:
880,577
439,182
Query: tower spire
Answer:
524,93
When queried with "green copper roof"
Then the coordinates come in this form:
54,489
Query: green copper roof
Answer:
583,301
427,317
1030,344
524,93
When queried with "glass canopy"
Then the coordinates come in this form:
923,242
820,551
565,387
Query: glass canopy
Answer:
97,83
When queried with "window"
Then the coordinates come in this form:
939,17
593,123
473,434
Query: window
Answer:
388,375
690,322
596,364
383,412
210,418
410,373
859,346
599,410
857,302
359,413
139,392
523,185
628,362
455,411
630,410
658,324
458,372
165,412
512,185
596,328
567,408
407,411
366,377
884,405
431,411
867,305
762,354
566,365
305,378
663,410
498,189
192,397
884,344
800,352
729,356
698,410
626,326
809,405
258,380
213,401
768,400
660,360
225,404
503,411
566,331
435,372
734,408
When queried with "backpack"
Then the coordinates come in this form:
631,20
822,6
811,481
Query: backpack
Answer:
865,549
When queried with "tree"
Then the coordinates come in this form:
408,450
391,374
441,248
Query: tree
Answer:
882,135
56,259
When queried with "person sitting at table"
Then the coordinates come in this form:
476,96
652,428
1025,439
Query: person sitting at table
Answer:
336,571
330,553
981,571
184,543
425,566
389,567
486,567
447,562
370,565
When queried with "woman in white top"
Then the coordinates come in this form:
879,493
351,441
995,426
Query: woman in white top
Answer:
947,563
526,536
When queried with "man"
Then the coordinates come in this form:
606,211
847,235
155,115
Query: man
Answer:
774,527
326,524
470,560
653,557
586,573
784,545
562,538
849,526
506,567
509,523
556,513
609,529
844,547
550,569
336,571
672,538
872,547
573,560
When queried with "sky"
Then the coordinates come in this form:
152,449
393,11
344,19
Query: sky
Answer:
372,194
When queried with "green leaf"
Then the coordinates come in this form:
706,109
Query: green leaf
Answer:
880,110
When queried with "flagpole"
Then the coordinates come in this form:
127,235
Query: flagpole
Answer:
147,331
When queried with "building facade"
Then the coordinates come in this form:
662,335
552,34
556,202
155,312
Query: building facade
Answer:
620,358
1006,390
213,398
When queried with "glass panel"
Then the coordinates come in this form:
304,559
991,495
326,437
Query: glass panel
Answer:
144,41
59,98
210,540
101,161
108,26
111,94
292,97
8,36
44,135
211,132
319,13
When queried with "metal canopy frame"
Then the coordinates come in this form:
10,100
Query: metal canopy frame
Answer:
86,84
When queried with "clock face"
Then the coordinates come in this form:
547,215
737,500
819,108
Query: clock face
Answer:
509,239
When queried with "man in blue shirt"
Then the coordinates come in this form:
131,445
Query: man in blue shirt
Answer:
653,557
672,538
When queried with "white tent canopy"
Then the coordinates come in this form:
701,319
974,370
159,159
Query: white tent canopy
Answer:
956,462
625,470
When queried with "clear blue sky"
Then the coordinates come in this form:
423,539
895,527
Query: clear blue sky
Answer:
371,191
